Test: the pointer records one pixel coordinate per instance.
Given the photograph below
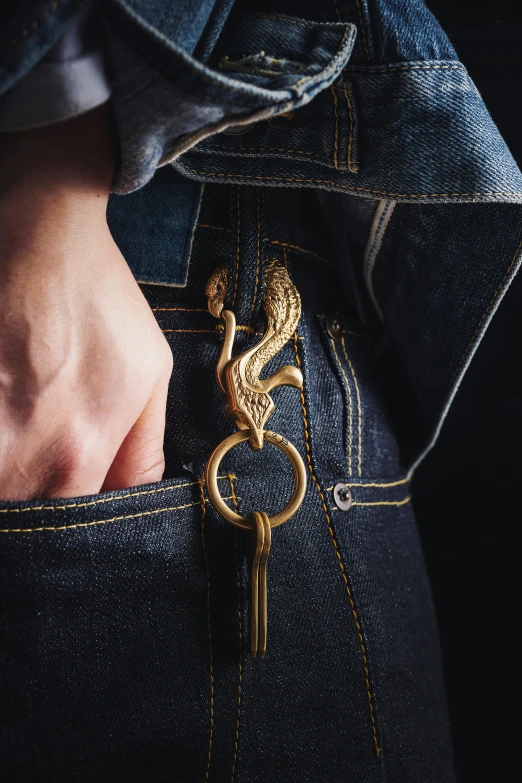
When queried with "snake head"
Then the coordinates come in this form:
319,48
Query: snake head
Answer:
216,290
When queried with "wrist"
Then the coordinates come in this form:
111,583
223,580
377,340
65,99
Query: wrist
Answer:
67,162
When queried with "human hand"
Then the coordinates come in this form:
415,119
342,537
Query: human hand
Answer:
84,367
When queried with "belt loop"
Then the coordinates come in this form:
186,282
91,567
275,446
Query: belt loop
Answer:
246,280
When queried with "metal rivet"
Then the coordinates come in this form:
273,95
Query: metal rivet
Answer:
343,496
333,326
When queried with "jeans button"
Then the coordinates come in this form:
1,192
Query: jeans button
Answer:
333,326
343,496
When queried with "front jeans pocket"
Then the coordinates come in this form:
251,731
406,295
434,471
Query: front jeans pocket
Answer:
104,636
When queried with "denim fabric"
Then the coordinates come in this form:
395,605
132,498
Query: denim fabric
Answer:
124,616
378,177
169,231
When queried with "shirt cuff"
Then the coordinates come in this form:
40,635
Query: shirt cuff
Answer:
52,92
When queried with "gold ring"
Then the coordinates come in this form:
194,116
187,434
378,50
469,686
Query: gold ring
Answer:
214,462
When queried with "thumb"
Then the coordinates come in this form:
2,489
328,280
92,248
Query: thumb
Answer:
140,458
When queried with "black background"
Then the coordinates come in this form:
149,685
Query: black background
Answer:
468,492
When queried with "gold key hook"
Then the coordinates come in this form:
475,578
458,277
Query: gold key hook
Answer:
249,405
247,399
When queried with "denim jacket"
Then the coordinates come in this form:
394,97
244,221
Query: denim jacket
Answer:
345,133
365,99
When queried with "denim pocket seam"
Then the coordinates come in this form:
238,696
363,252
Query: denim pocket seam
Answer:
359,407
245,178
348,393
258,254
94,522
342,567
238,245
40,19
67,506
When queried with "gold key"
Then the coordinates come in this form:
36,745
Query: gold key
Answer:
261,650
258,612
258,530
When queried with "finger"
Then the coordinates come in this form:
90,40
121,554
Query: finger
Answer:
140,458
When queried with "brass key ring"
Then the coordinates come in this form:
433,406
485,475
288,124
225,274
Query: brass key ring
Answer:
224,447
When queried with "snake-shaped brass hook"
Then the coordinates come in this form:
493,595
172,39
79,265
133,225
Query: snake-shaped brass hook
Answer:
247,398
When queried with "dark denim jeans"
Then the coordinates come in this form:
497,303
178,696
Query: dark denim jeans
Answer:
124,616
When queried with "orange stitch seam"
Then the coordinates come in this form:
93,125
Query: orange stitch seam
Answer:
379,69
359,408
234,148
336,138
373,484
487,311
57,528
215,228
238,247
352,164
333,539
240,635
384,502
205,555
351,187
350,407
218,328
363,31
377,503
258,254
36,23
302,249
100,500
52,529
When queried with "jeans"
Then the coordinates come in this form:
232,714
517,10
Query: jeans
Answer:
124,617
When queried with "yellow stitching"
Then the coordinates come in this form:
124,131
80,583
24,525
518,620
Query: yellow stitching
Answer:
190,331
99,500
384,502
351,187
362,484
350,408
495,295
179,309
377,503
302,249
363,31
50,529
96,522
216,228
336,138
258,255
352,165
333,539
205,554
35,24
359,409
234,148
215,330
238,244
240,633
378,70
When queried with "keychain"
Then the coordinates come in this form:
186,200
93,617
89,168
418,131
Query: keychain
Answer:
249,405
